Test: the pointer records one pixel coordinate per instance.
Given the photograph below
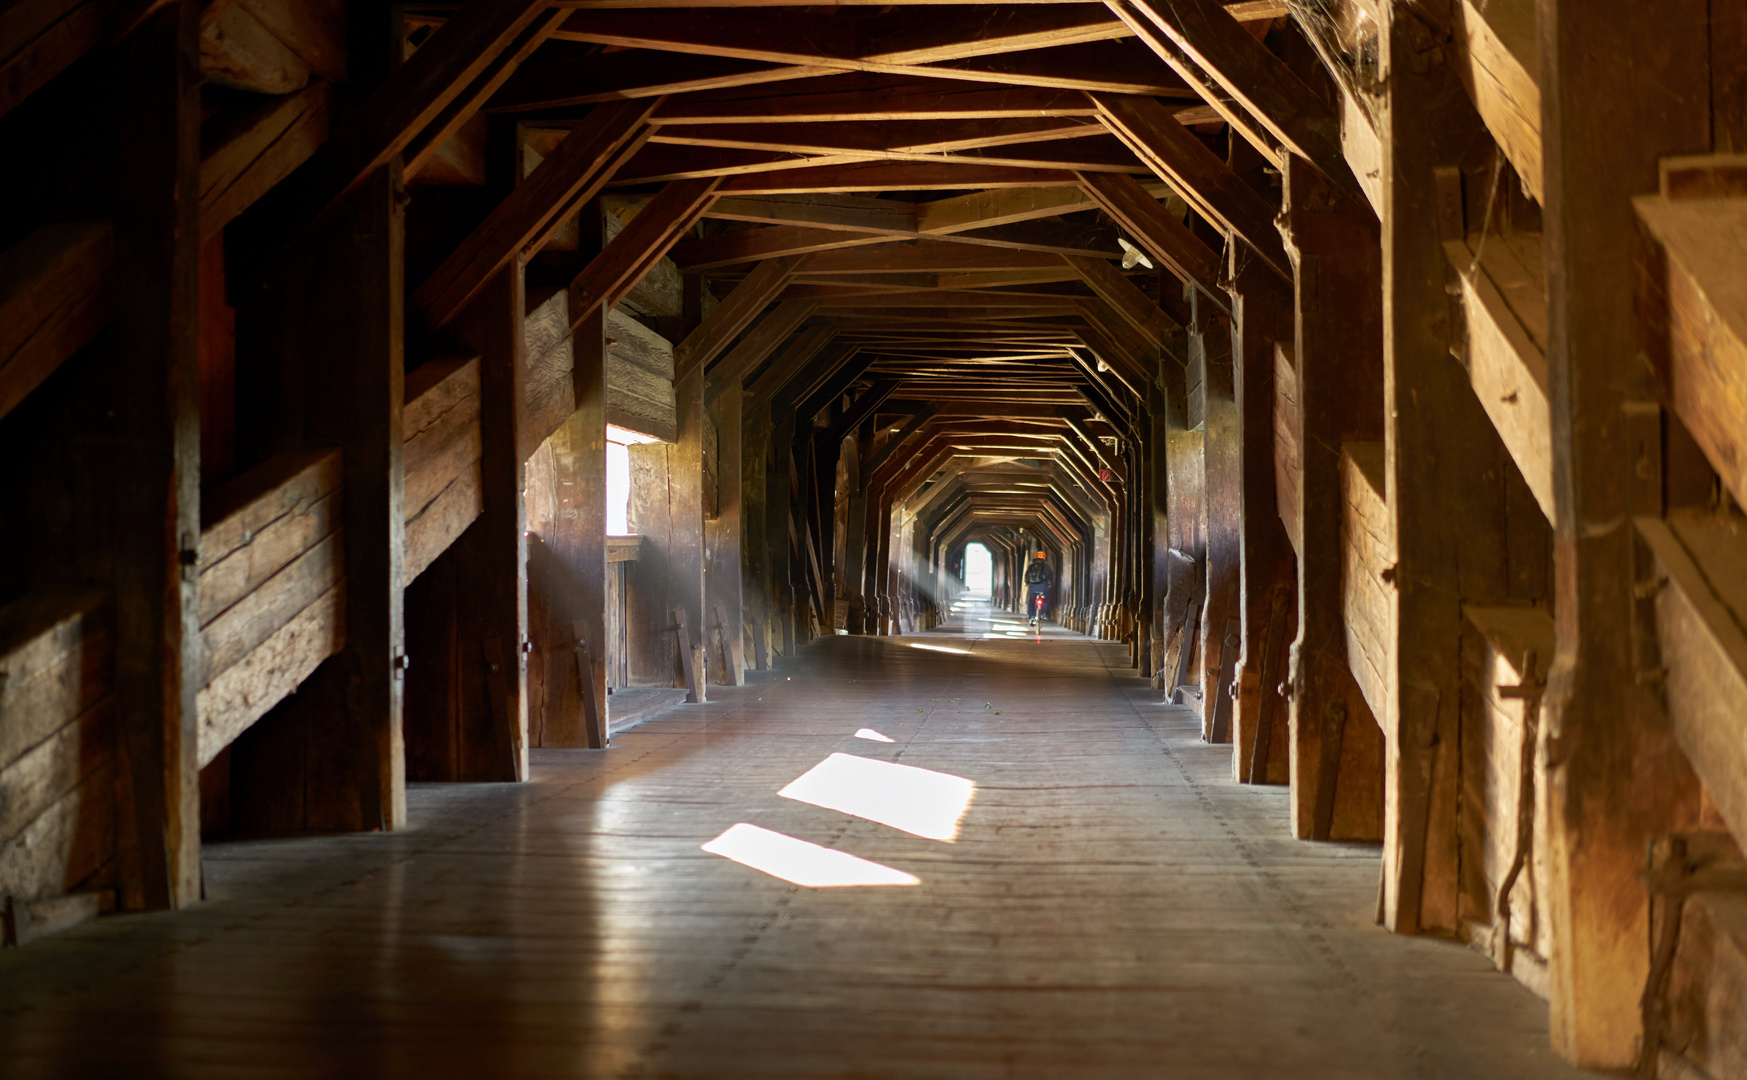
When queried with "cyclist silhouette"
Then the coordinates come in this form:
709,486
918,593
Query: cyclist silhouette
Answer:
1038,579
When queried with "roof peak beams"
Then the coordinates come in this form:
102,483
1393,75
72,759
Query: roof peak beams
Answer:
925,136
864,97
831,39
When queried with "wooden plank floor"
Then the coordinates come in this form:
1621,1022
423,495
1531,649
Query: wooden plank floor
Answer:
1114,906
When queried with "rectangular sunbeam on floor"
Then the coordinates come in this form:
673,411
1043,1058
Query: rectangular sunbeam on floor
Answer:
801,863
873,736
921,802
939,648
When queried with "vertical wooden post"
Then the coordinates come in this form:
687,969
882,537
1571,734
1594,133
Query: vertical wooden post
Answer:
1443,469
1338,349
685,479
756,585
1616,778
151,471
578,545
722,534
1261,310
496,546
1222,508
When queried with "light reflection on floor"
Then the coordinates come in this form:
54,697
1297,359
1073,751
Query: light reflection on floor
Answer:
873,736
939,648
801,863
921,802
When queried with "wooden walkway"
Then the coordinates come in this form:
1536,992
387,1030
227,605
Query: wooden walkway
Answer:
1112,906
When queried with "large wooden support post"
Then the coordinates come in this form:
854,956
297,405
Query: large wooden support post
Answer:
778,510
1616,778
757,595
1444,472
1158,446
722,539
337,320
1261,316
578,544
149,469
494,549
667,509
1210,353
1338,353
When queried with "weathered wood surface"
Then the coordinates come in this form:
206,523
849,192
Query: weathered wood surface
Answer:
440,428
1505,301
242,158
1623,778
1288,456
1367,567
1493,769
271,590
1696,321
1497,59
1699,620
55,295
41,38
57,740
1706,987
639,378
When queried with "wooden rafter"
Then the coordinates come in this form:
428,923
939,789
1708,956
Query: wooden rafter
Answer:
571,174
642,243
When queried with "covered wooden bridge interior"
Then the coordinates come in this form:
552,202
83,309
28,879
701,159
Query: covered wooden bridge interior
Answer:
1371,375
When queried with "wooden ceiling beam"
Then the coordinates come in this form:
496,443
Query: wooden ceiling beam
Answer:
662,161
925,256
1208,37
430,139
753,245
896,176
796,354
757,344
1163,236
573,173
988,209
638,247
565,74
862,97
1124,297
802,37
414,96
1217,193
733,314
851,213
891,136
243,159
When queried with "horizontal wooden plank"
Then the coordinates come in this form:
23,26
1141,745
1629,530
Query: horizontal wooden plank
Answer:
268,551
1699,618
243,693
259,615
46,772
442,521
65,844
624,548
1367,553
1505,300
1698,323
441,433
284,484
57,650
54,297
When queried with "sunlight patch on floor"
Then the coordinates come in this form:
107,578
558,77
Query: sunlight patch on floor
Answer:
939,648
921,802
801,863
872,735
